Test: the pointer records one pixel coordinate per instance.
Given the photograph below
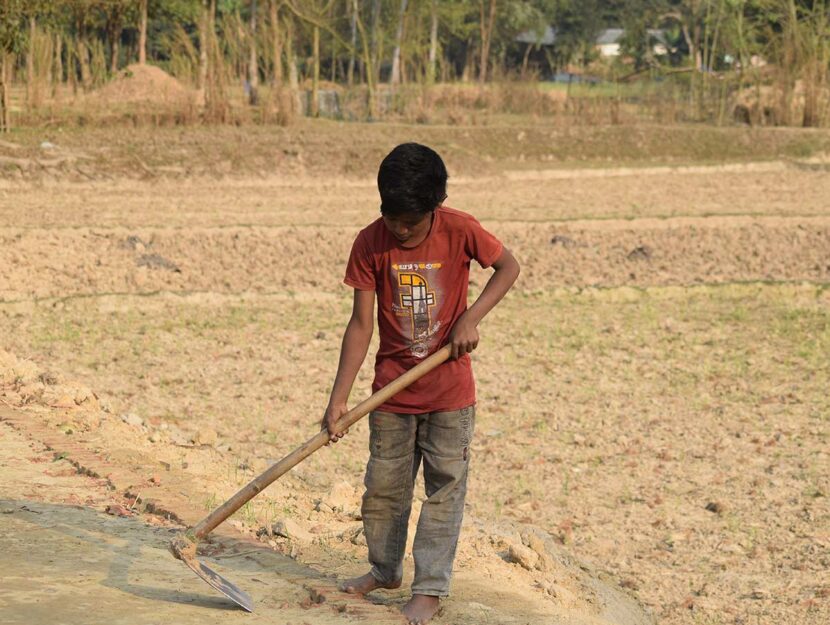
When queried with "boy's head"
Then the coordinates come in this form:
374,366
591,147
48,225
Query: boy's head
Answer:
412,181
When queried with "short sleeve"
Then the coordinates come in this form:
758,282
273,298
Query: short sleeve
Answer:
482,245
359,272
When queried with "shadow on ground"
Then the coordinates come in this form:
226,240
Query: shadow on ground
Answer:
77,565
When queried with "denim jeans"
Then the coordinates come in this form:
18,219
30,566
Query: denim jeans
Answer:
398,443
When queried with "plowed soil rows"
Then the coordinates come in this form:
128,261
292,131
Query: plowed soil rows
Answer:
42,263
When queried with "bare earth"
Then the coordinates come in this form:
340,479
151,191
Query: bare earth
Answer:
653,401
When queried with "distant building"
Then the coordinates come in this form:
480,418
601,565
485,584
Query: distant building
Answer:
608,41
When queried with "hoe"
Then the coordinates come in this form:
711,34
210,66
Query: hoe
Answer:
183,546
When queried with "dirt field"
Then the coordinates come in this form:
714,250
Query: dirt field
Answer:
652,396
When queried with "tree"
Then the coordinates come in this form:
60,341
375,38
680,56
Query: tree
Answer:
11,41
79,16
486,37
433,41
315,12
253,68
368,64
205,38
115,12
142,32
276,41
354,7
577,23
395,77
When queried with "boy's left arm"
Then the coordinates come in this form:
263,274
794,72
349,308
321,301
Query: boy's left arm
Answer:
464,334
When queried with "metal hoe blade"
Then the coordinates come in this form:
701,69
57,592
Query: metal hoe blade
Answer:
226,587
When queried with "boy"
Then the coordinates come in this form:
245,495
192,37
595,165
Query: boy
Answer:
416,258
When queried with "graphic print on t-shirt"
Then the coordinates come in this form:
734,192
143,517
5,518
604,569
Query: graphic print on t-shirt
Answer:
417,299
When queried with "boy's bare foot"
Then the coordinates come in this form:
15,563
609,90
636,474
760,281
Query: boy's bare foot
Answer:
366,583
420,609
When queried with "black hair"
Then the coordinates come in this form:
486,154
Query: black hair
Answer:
411,179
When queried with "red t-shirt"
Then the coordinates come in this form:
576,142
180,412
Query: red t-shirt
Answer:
421,292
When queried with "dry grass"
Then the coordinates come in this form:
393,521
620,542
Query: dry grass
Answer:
727,99
322,146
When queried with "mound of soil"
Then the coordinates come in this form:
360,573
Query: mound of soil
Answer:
141,84
23,383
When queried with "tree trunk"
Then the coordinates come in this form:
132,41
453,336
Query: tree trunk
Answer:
216,104
5,120
113,28
315,77
333,60
142,33
293,78
525,60
204,43
369,67
293,74
698,47
115,37
47,58
253,67
71,70
58,71
83,61
376,39
30,63
276,41
115,52
486,37
395,78
467,68
205,24
811,79
353,52
691,43
433,42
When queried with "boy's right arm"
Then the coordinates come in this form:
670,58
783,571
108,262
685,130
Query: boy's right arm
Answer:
356,341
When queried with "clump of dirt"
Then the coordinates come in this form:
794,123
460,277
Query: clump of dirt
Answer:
155,261
24,383
141,84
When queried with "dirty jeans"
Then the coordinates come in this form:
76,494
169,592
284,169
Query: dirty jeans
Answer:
397,444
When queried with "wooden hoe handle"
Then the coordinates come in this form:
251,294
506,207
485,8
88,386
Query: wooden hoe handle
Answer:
210,522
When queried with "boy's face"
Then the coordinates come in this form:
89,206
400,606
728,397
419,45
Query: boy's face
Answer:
409,228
